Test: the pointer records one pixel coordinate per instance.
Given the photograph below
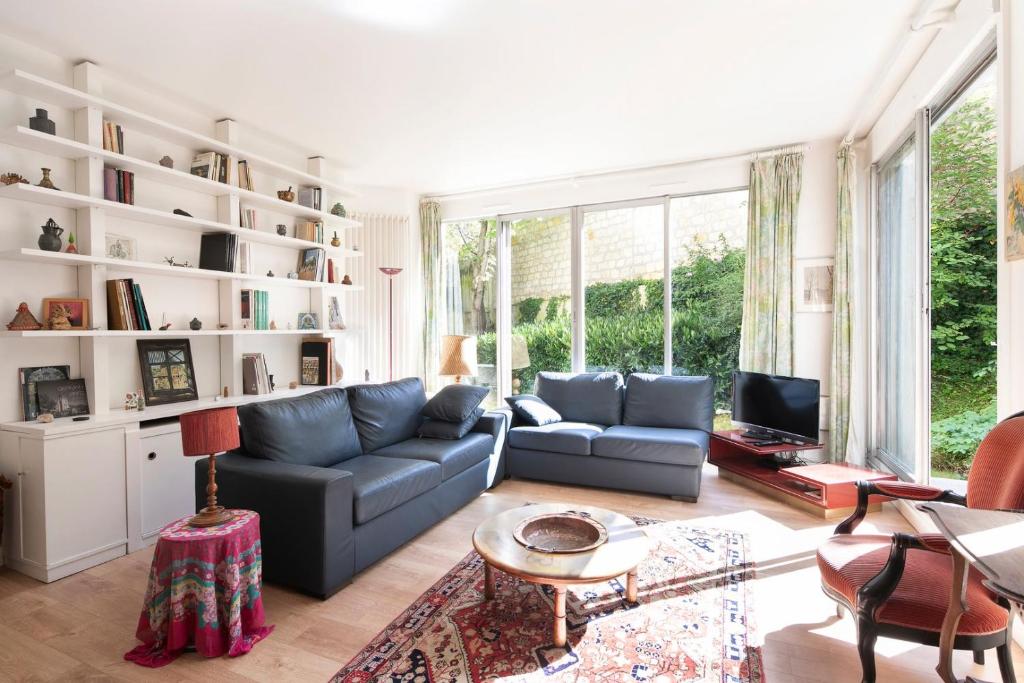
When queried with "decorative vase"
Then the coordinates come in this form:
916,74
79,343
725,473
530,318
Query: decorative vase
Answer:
286,195
46,182
166,162
196,324
282,229
339,210
335,242
50,239
42,123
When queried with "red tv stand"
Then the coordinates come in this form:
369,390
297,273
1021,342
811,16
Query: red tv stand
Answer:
824,490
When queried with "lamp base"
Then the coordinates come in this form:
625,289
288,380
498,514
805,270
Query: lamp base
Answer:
211,516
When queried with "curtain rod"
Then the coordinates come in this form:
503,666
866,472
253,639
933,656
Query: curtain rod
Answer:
581,177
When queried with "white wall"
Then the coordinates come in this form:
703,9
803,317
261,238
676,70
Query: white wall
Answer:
178,298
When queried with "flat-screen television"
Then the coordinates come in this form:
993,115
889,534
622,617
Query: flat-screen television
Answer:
776,406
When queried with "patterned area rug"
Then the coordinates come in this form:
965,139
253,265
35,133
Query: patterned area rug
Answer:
693,622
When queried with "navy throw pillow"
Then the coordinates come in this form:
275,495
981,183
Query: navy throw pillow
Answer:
453,431
455,402
533,410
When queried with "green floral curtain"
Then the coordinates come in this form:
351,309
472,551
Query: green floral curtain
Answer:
430,225
839,386
766,340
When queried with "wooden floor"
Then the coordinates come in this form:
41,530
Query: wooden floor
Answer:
79,627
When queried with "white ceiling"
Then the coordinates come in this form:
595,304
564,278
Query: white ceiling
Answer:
440,95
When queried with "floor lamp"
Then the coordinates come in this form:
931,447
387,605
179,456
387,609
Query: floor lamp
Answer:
391,273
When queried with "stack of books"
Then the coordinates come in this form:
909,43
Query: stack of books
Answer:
255,309
118,185
126,309
243,260
255,376
211,165
113,137
248,218
218,251
310,197
311,231
244,176
317,363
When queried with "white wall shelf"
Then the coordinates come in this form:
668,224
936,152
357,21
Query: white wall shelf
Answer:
30,85
73,200
144,334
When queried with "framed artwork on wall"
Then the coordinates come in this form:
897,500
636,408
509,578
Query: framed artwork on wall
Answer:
814,285
167,372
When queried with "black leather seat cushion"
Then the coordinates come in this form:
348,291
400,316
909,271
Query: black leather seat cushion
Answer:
571,438
652,444
380,484
453,456
387,413
315,429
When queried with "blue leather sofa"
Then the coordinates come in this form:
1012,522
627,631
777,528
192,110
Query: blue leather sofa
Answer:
340,478
649,434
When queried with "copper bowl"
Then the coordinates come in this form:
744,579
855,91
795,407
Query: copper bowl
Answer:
286,195
562,532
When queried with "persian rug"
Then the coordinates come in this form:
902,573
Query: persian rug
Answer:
693,622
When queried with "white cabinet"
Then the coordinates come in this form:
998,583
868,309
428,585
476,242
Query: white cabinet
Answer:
166,489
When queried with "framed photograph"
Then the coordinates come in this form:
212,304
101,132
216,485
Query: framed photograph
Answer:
63,397
334,319
310,370
310,262
308,321
814,280
167,372
121,247
1015,215
30,377
75,310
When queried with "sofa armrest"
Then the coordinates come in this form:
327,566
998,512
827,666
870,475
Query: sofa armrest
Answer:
305,517
496,423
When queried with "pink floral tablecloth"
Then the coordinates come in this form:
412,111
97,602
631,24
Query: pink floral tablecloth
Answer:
203,592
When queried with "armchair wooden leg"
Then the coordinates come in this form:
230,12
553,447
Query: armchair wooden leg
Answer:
1005,659
839,610
867,636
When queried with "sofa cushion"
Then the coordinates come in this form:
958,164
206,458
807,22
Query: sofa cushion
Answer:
387,413
572,438
594,397
652,444
316,429
439,429
452,456
665,401
455,402
532,410
380,484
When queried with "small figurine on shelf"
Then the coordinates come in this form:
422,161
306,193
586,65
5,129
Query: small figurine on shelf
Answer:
293,384
71,249
50,239
293,275
24,320
346,280
196,324
60,317
166,162
335,242
45,418
131,401
286,195
225,393
182,212
270,273
282,229
140,400
339,210
273,324
46,182
164,325
42,123
13,178
171,262
222,326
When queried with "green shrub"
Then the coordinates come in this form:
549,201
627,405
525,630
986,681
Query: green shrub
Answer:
956,438
527,309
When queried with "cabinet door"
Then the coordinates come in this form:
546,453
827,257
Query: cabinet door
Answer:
86,510
167,488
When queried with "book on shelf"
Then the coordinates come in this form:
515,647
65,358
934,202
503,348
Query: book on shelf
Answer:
310,231
255,309
211,165
243,259
248,218
255,376
217,251
126,307
118,185
311,264
113,137
317,366
245,175
310,197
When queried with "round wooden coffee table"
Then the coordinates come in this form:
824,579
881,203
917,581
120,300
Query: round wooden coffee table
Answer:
625,549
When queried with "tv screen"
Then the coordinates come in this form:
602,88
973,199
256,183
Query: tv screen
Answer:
780,406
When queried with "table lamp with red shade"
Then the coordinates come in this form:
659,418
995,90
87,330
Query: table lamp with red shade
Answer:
209,432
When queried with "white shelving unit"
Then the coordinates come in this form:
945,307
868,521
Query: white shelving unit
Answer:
88,491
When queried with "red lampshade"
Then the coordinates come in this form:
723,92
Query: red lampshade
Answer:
209,431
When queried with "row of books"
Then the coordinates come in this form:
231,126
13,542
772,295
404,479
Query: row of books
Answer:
210,165
317,361
311,231
244,175
255,311
126,308
248,218
255,376
118,185
113,137
243,261
218,251
333,272
310,197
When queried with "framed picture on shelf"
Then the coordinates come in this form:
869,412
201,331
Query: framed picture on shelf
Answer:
30,377
74,311
121,247
310,370
309,321
167,372
335,321
63,397
814,279
310,264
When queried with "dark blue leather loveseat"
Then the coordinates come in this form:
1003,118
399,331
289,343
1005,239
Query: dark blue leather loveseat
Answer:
340,478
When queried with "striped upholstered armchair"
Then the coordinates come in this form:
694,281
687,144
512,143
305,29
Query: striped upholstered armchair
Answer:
898,586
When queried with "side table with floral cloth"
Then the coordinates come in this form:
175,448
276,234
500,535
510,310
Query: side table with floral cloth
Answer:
204,592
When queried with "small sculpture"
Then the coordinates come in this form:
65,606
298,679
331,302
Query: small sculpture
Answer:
44,417
60,317
164,325
171,262
293,275
196,324
131,401
166,162
224,393
222,326
24,320
46,182
12,178
72,248
140,398
42,122
339,210
293,385
273,324
335,242
282,229
286,195
346,280
182,212
270,273
50,239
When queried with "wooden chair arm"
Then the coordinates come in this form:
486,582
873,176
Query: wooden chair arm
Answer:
893,489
